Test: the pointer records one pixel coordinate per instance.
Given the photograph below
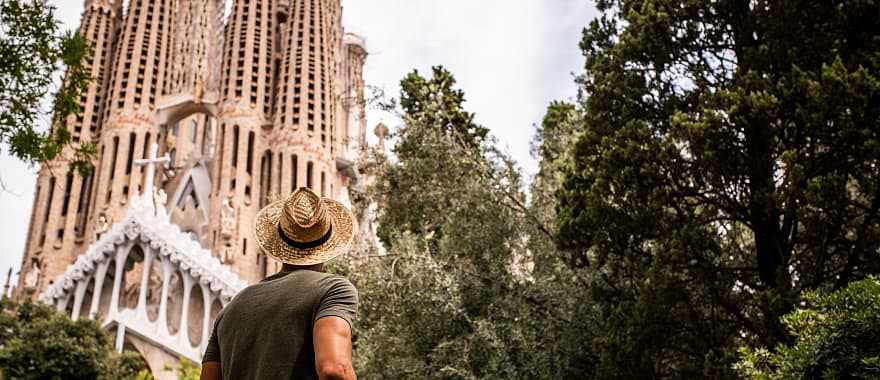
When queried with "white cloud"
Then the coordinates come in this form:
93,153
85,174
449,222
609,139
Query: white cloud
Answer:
511,57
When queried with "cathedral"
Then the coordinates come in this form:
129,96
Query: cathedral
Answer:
200,118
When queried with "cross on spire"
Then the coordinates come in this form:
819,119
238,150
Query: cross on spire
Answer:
150,163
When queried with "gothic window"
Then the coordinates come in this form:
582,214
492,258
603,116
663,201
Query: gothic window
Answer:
250,153
65,203
112,167
93,197
209,122
82,209
265,178
196,316
193,130
154,288
235,146
294,169
89,294
174,302
146,151
309,169
130,283
280,172
128,164
48,206
222,151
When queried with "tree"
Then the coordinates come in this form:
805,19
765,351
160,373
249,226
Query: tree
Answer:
726,161
32,50
442,131
835,337
455,297
37,342
435,102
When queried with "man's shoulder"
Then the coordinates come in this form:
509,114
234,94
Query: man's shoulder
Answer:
331,280
322,283
299,280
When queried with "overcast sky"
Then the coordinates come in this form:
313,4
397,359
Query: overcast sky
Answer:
511,57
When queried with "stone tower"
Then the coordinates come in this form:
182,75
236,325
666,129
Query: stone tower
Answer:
64,202
246,107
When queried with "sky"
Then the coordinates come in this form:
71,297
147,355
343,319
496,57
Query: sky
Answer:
511,58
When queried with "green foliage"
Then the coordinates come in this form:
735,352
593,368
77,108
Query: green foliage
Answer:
436,103
456,296
835,337
32,50
725,161
445,142
36,342
185,370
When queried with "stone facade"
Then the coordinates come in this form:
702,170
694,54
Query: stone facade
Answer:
246,108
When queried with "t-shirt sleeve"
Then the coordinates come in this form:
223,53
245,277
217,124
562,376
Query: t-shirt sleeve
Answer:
340,300
212,353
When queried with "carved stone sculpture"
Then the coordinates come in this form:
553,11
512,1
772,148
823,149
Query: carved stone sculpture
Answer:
33,276
102,226
227,220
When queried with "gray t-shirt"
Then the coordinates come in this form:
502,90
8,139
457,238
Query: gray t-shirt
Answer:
265,332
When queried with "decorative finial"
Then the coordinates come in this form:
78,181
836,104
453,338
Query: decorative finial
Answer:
7,285
381,132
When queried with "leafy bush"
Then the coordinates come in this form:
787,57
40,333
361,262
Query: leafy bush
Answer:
835,337
37,342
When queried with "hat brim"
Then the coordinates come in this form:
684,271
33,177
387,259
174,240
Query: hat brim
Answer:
343,226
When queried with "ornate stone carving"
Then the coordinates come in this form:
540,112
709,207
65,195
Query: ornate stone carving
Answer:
226,256
32,279
227,220
160,198
199,90
190,219
142,224
102,225
135,118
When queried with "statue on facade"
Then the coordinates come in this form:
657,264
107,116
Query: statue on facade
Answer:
32,279
199,90
154,290
160,197
227,219
102,225
226,256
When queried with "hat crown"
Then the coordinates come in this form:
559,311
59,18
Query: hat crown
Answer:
304,217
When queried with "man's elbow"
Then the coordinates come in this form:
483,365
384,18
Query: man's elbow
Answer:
335,371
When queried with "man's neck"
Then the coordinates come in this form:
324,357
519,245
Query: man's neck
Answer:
315,268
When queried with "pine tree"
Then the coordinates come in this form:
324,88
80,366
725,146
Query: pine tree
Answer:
726,161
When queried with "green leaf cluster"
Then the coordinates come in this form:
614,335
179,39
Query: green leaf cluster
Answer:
834,337
32,50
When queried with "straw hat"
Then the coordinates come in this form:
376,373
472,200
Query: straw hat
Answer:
305,229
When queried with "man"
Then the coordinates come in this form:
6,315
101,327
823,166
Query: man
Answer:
297,323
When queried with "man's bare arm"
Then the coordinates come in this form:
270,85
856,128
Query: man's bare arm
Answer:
211,371
332,340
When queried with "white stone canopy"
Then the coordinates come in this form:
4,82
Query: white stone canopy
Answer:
150,278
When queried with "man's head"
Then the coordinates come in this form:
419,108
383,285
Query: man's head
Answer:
305,230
